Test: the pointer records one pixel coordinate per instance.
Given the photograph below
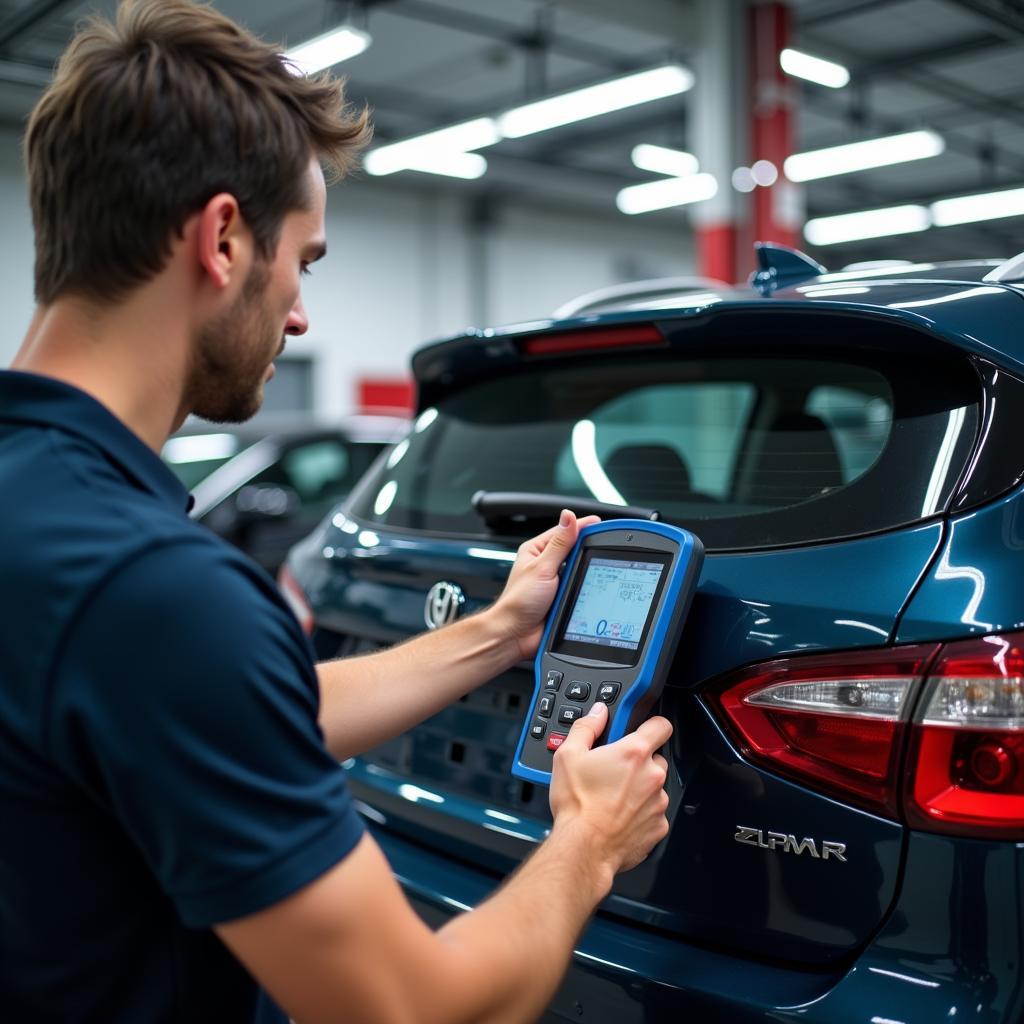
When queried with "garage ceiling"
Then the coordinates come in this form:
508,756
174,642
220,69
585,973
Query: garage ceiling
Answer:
951,65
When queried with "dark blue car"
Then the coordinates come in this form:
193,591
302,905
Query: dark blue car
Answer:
847,770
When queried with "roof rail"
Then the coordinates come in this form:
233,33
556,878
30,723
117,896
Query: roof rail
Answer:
637,290
779,267
1010,272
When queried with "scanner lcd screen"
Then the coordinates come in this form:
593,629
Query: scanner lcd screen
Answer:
610,610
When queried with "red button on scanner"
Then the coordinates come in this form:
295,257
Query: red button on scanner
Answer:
555,740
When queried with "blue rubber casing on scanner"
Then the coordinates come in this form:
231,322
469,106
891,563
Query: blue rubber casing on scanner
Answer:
641,684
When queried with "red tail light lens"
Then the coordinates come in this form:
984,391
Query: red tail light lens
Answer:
295,598
589,340
967,751
836,722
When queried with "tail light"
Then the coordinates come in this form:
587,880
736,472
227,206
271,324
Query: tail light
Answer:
836,722
930,734
295,598
593,339
967,745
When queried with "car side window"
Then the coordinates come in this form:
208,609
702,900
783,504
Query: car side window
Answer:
318,473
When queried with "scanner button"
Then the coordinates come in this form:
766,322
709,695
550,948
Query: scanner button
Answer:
607,692
553,681
567,714
538,729
546,705
556,739
578,690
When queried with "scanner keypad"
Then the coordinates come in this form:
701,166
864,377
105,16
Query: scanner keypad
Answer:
578,690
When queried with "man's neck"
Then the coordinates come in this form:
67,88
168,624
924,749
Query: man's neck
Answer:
132,358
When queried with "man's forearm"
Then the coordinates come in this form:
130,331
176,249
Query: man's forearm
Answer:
367,700
510,953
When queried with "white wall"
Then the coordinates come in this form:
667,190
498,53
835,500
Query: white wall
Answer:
406,265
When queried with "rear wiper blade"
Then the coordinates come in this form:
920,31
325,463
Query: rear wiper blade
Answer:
522,508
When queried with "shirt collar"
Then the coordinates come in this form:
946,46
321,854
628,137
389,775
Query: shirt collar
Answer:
31,398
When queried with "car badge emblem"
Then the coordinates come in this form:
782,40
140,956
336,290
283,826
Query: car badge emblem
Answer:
443,605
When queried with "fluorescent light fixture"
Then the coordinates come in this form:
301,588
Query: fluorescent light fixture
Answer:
593,100
329,49
848,227
659,195
814,69
433,148
987,206
661,160
860,156
452,165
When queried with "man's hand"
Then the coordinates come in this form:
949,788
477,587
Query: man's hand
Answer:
615,792
533,582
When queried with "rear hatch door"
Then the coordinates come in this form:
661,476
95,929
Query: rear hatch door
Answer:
818,483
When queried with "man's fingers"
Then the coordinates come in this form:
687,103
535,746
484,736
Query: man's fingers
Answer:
536,545
560,543
655,732
585,730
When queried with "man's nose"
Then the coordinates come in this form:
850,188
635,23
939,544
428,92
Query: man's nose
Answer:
298,322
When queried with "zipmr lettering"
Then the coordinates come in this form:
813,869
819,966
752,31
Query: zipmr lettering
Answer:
788,843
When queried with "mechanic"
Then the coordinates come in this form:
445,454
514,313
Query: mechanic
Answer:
178,838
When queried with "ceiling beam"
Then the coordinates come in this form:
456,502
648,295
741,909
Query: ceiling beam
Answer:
673,20
500,31
28,17
1001,18
931,81
17,72
817,14
918,55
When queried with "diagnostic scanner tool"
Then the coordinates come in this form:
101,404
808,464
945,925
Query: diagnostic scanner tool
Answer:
610,635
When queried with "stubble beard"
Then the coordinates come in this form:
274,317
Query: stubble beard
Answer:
231,356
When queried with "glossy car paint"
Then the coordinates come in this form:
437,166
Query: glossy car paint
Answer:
913,927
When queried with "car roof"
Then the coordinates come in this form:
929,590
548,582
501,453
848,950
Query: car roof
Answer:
365,427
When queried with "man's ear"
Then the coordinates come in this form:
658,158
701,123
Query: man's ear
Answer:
224,240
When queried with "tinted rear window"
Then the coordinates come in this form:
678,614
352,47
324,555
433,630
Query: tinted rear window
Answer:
746,452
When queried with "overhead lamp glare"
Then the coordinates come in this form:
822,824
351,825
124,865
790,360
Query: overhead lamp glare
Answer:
662,160
328,49
986,206
660,195
814,69
861,156
435,147
593,100
848,227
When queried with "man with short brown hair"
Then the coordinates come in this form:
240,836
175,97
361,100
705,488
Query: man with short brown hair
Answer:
177,830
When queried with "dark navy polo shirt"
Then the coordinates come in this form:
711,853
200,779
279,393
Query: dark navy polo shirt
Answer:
161,766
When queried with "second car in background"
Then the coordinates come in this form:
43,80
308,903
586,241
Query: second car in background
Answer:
263,488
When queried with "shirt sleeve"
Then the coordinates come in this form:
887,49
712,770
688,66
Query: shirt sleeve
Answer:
186,702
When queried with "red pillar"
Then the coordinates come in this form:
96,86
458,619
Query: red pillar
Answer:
716,251
778,213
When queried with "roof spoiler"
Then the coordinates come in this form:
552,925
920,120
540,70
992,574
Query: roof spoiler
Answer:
780,267
1010,272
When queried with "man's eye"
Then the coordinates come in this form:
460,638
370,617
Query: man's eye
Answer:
305,271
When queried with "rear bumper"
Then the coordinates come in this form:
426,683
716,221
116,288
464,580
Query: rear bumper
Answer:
949,951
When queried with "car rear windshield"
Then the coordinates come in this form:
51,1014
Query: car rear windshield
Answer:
747,452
